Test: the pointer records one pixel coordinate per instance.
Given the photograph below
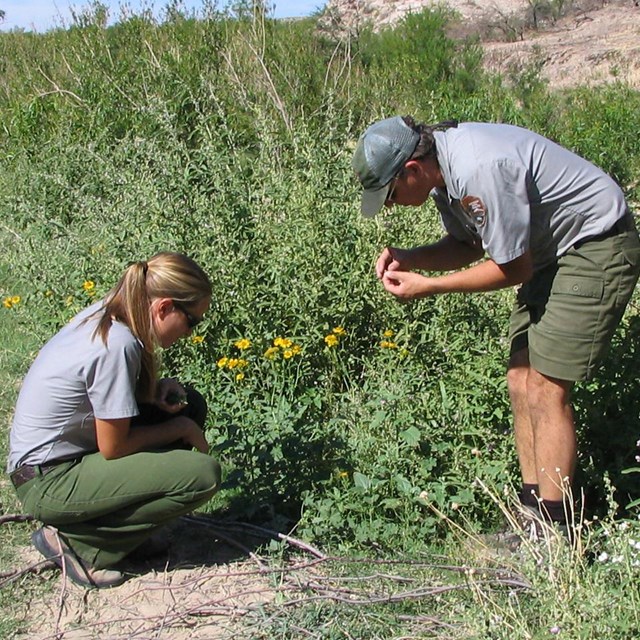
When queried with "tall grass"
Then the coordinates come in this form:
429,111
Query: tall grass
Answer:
229,137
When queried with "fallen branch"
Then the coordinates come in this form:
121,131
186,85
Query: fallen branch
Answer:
37,568
16,517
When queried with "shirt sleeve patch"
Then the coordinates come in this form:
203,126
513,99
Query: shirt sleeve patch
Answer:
476,209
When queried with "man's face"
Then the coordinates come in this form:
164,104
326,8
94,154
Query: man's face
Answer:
411,188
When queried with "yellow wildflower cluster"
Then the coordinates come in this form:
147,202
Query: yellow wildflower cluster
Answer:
387,343
197,339
232,363
236,364
333,339
11,301
89,287
286,346
242,344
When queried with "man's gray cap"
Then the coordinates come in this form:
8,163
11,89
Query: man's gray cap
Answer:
380,155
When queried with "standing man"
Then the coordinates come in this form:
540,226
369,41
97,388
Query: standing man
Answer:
549,221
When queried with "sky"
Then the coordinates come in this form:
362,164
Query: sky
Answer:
41,15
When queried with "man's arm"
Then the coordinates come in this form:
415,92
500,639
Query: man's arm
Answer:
486,276
445,255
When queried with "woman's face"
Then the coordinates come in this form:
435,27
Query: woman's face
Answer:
175,320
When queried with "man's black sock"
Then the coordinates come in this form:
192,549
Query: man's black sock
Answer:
529,495
554,510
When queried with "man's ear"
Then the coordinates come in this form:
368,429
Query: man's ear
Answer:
413,167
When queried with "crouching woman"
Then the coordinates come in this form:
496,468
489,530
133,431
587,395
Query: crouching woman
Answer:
101,451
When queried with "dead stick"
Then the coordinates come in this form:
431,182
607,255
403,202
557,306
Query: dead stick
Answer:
16,517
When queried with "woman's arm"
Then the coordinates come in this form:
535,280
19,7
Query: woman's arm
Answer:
117,439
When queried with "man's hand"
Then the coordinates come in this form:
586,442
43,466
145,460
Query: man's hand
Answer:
406,285
393,259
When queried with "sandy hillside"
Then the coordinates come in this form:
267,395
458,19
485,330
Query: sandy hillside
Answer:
596,42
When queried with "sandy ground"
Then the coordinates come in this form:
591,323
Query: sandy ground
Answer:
212,585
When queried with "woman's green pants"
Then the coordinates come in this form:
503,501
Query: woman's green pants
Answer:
104,509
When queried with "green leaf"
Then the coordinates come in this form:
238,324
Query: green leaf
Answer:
411,436
361,481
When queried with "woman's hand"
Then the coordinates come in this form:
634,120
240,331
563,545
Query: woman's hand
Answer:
194,437
170,395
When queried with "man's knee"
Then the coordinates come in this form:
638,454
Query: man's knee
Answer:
546,390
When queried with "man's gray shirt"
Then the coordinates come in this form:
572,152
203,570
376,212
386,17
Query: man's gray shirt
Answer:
514,190
74,379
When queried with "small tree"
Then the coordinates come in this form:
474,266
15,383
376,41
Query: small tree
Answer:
2,14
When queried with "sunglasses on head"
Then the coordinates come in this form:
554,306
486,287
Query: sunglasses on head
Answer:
192,321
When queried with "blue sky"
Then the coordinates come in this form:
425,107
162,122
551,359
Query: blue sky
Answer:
40,15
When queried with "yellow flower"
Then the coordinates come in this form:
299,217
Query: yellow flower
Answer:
339,331
89,285
343,474
242,363
242,344
285,343
7,303
271,353
197,339
232,363
385,344
288,353
296,349
69,301
223,362
15,300
388,333
239,376
331,340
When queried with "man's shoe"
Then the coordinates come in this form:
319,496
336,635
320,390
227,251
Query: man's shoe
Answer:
51,545
526,528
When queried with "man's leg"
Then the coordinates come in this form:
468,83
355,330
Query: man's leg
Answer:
544,433
517,376
554,434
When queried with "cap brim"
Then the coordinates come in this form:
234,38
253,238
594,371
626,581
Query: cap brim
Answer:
373,200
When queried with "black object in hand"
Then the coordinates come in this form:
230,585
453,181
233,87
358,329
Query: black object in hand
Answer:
175,398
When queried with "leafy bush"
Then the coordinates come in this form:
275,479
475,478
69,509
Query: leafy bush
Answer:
204,134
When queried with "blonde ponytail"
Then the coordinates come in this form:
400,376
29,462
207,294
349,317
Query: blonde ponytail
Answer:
165,275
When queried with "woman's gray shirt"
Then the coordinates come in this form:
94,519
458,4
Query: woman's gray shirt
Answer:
74,379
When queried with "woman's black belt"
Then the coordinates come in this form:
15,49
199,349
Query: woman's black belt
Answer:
28,472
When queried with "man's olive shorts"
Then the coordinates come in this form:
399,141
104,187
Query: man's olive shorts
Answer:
567,313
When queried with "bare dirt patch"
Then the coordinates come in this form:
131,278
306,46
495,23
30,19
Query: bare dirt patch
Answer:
594,47
211,585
